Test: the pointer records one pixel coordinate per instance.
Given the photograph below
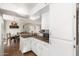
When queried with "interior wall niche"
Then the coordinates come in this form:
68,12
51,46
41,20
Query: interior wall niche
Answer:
32,28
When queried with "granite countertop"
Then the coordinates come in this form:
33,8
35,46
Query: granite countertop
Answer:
36,36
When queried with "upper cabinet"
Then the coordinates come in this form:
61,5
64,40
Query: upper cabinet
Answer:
43,11
62,21
44,20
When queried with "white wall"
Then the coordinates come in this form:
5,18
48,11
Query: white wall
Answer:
14,30
1,32
20,29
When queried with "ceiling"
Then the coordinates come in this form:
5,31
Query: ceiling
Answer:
17,9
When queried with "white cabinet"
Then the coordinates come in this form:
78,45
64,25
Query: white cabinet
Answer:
60,48
44,20
61,29
25,44
33,46
39,47
44,49
61,21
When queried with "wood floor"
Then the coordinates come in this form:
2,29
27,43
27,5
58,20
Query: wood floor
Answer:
14,51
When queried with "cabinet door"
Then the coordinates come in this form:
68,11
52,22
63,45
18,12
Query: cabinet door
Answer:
44,21
43,48
34,45
61,48
25,45
61,28
39,49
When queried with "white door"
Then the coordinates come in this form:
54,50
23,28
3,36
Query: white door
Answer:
62,28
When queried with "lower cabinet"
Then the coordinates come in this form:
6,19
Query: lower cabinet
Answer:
25,44
44,50
34,47
39,47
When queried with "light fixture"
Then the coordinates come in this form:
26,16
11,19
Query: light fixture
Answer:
34,17
14,24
